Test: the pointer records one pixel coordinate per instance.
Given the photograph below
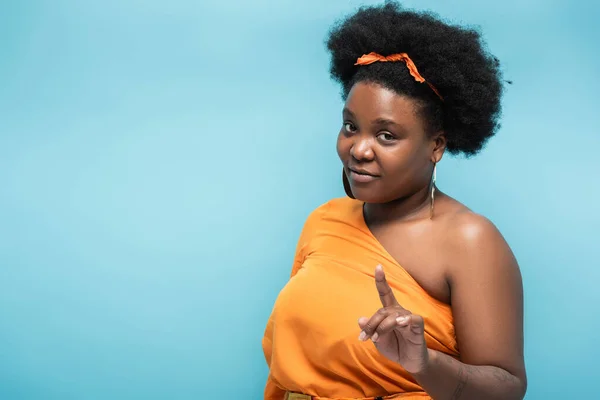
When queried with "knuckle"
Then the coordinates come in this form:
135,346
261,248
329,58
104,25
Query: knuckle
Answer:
382,328
369,327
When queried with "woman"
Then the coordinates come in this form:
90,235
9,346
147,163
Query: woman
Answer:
447,321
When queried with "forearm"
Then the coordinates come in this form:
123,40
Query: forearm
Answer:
446,378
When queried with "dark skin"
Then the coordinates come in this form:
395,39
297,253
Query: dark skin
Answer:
457,256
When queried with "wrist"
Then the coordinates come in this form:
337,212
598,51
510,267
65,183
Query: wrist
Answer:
430,359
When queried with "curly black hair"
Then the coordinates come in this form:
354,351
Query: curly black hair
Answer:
450,57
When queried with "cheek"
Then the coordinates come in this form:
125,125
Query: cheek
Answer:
343,146
404,161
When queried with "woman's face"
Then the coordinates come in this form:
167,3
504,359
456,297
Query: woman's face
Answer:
384,146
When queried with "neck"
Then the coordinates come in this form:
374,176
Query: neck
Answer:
412,207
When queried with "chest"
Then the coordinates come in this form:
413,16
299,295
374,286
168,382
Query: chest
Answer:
422,252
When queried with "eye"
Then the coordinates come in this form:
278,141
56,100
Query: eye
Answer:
349,127
386,137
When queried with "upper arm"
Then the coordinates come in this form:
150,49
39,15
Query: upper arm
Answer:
308,231
486,297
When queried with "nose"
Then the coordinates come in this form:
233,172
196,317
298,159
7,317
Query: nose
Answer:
362,149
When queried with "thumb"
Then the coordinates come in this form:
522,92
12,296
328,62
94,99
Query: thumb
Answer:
362,322
410,325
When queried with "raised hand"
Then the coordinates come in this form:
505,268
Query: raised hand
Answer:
396,332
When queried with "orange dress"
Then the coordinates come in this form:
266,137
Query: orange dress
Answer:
311,339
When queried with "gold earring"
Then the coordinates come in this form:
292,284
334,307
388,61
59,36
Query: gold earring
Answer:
347,188
432,191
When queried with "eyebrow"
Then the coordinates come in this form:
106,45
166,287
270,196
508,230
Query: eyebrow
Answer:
347,111
385,121
378,121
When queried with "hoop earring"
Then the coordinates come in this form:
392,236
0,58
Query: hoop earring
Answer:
346,183
432,195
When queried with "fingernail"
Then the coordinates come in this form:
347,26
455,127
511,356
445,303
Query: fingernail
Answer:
362,336
402,320
379,267
375,337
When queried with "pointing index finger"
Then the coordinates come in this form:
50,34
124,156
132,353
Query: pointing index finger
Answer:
383,288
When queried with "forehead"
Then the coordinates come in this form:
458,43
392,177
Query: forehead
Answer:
372,101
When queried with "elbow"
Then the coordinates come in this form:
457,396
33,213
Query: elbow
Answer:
520,388
512,386
516,383
523,388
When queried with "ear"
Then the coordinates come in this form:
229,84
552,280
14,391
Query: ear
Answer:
439,146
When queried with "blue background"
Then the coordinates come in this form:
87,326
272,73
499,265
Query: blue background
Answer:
158,159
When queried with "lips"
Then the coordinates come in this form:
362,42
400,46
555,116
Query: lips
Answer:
362,171
361,176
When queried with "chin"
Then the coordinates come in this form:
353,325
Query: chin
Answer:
370,196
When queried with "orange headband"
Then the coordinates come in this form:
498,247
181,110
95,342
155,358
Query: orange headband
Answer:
372,57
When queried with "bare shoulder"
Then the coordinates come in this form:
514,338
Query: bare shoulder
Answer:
471,229
479,250
475,243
